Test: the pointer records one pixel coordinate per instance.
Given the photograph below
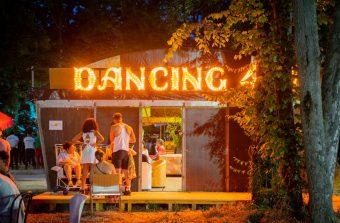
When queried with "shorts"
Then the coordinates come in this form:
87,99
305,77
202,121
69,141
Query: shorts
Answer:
120,159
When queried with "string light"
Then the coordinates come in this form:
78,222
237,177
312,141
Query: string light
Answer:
78,79
131,77
209,79
174,78
153,78
195,82
117,80
250,73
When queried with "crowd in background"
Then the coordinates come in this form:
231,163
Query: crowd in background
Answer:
24,151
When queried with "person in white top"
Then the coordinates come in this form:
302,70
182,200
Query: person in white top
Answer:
90,137
121,135
145,154
29,150
13,141
69,159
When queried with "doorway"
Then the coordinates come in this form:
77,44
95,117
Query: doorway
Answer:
162,148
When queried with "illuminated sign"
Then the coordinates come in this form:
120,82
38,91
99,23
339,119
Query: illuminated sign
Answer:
159,79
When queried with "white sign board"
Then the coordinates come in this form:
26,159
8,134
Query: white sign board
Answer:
55,125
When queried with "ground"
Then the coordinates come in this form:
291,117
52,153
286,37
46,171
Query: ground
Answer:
239,212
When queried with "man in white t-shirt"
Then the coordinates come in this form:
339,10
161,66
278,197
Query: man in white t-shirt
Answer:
13,141
29,150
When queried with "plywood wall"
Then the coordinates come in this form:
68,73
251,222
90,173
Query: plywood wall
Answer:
205,164
72,120
238,148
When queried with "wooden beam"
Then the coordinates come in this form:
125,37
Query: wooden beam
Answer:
123,103
227,155
42,141
184,149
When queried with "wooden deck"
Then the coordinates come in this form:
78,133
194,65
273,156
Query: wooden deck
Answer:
168,198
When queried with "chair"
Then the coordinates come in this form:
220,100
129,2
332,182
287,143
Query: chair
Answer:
159,173
105,185
61,178
23,200
76,207
146,176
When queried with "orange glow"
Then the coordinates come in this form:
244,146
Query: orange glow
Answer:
159,79
117,80
210,77
131,77
78,79
174,78
153,78
195,82
251,73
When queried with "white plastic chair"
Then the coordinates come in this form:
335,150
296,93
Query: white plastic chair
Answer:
146,176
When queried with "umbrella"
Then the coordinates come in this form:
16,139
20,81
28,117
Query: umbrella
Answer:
5,121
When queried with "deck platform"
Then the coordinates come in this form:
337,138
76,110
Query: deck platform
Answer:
169,198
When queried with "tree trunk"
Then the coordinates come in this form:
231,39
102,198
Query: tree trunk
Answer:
331,104
320,120
307,44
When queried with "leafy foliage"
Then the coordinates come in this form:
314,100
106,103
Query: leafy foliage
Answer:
176,134
261,29
67,33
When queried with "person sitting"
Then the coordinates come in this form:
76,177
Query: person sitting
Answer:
69,159
103,167
145,154
160,149
4,163
8,192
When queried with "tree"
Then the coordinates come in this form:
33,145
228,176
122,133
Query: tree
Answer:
68,33
320,103
264,30
23,45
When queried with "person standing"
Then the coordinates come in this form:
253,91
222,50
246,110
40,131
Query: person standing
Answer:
21,150
29,150
90,137
13,141
38,152
121,135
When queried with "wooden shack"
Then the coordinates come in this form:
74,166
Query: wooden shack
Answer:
210,146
